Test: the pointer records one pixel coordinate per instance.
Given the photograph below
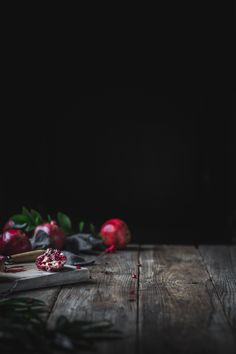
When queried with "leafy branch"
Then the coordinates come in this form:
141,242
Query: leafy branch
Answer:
28,220
23,327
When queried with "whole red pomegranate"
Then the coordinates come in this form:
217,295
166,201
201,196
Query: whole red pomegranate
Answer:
14,241
54,232
10,224
115,232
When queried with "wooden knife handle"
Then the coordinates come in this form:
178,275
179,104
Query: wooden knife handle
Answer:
26,256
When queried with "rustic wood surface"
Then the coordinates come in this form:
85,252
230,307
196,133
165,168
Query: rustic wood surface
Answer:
165,299
220,262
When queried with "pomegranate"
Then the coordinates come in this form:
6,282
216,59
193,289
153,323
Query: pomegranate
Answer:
54,232
51,261
115,232
14,241
10,224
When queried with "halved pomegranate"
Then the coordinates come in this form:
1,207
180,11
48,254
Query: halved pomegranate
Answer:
51,261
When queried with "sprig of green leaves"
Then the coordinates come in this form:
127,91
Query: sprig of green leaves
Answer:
29,219
64,222
23,325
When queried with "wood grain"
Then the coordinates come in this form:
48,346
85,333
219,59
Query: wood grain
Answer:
48,296
111,295
179,311
174,264
182,301
220,262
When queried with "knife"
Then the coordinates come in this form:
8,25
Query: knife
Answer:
23,257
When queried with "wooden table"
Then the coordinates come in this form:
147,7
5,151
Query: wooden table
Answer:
182,301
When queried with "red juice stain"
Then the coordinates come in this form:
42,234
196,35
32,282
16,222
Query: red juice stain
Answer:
132,294
15,269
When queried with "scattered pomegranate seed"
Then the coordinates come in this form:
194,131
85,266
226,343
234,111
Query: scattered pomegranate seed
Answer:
134,276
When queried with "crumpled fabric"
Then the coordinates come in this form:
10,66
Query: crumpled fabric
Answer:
74,245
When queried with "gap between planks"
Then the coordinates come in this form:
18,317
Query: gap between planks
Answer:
177,276
179,307
220,263
107,297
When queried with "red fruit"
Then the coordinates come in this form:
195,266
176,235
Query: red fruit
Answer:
14,241
53,231
51,261
9,225
115,233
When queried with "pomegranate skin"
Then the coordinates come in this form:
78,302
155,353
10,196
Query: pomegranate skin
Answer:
53,231
115,232
9,225
14,241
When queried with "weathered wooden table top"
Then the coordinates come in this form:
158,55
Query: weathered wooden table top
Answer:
182,301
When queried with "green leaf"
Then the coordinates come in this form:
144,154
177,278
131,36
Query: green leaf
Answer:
49,218
99,236
26,212
81,226
37,217
92,229
64,221
20,226
20,219
23,326
29,228
38,220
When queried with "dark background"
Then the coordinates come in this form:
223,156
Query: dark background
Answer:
164,163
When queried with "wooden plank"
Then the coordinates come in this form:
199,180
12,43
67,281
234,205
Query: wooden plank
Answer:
48,296
178,308
220,261
221,264
111,296
174,264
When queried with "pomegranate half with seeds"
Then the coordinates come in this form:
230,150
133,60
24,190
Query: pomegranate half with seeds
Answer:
52,260
115,232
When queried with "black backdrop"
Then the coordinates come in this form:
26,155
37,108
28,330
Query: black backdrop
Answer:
164,163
